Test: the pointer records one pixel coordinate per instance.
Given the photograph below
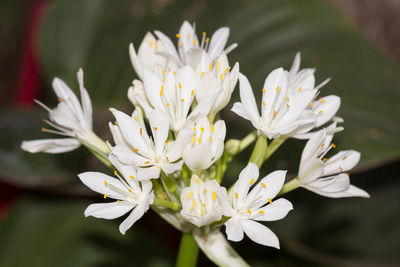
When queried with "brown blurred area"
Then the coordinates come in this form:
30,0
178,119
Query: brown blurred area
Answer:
377,20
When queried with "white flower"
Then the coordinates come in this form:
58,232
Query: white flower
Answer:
204,202
324,176
70,118
174,96
251,207
134,146
288,105
131,195
207,144
216,76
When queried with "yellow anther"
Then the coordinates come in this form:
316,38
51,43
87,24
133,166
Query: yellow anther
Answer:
194,41
141,131
265,104
311,104
177,35
168,104
227,69
210,66
167,158
180,44
166,141
135,150
323,145
249,211
192,93
136,119
333,145
325,159
115,173
287,105
197,180
174,72
212,127
205,190
204,33
182,100
116,123
188,35
204,205
263,90
162,88
322,101
194,128
263,185
193,139
118,201
202,129
199,140
105,183
236,195
60,99
189,195
163,72
105,196
155,46
132,177
207,39
214,196
347,173
299,89
43,129
320,112
274,113
222,77
202,74
193,203
130,190
210,139
277,88
261,212
147,162
217,65
160,93
270,201
179,85
287,99
155,128
251,181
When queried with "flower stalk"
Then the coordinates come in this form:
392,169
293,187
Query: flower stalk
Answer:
188,251
260,148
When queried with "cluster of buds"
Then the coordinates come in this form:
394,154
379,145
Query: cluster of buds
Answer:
171,155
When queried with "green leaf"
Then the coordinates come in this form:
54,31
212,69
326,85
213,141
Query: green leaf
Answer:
54,232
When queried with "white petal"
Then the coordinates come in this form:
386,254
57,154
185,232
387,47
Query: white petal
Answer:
148,173
137,65
52,146
260,233
152,87
98,182
313,146
159,123
127,156
342,162
218,42
136,214
234,230
275,86
175,150
168,46
267,188
329,105
247,98
310,170
197,157
171,167
295,66
108,210
242,185
85,100
277,210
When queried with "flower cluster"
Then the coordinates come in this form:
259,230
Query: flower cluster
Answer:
170,154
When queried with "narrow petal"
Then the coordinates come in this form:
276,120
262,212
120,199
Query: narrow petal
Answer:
342,162
136,214
85,100
234,229
325,108
197,157
148,173
52,146
260,233
99,182
247,98
152,87
267,188
218,42
174,152
168,46
108,210
310,170
169,168
159,123
295,66
277,210
137,65
242,185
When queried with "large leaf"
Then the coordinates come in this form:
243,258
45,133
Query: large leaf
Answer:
49,232
96,34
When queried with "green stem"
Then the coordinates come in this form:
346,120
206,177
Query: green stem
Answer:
188,251
247,140
289,186
260,148
274,145
166,204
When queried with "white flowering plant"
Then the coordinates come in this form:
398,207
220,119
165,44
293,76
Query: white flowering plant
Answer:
171,153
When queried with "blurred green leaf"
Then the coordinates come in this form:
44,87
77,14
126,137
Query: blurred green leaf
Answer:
95,35
54,232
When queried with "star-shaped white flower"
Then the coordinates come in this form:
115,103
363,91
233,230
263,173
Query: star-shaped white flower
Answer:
70,118
206,146
174,95
135,147
204,202
129,193
328,177
256,206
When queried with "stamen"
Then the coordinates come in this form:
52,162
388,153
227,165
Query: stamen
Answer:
299,89
204,33
155,128
212,127
251,181
207,39
132,177
222,76
162,88
320,112
261,212
217,65
105,183
287,105
141,131
202,74
325,159
174,72
160,93
277,88
130,190
136,119
202,129
236,195
118,200
192,93
189,195
210,139
274,113
177,35
347,173
205,190
193,139
333,145
322,101
135,149
43,130
116,123
60,99
182,100
263,90
194,41
105,196
199,140
345,157
167,158
180,44
115,173
188,35
311,104
163,72
197,180
147,162
270,201
287,99
265,104
166,141
249,211
210,66
263,185
168,104
214,196
179,85
227,69
194,202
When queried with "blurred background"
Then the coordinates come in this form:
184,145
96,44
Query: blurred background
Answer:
356,42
